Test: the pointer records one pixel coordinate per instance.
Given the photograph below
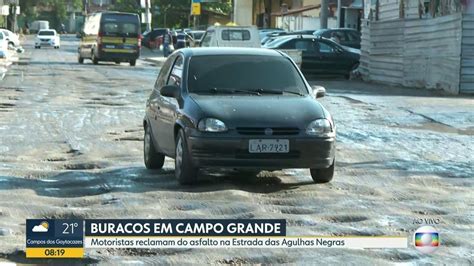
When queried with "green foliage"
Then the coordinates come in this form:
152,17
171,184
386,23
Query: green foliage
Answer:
58,12
176,13
28,10
131,6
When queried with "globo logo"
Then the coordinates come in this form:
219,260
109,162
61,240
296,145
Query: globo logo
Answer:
426,239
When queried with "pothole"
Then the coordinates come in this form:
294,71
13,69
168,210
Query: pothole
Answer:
346,218
83,166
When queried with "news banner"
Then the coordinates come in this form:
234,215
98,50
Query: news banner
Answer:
69,238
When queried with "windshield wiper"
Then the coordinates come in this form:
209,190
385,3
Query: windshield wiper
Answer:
279,92
231,91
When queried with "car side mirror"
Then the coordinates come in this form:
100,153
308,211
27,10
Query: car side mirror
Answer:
318,91
170,91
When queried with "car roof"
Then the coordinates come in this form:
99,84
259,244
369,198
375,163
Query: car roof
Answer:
208,51
232,27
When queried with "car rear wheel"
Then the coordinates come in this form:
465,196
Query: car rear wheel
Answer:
80,59
185,172
152,158
117,62
133,62
323,175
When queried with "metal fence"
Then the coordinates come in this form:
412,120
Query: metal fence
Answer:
467,63
413,52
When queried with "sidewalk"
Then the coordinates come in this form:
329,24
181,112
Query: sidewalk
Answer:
152,56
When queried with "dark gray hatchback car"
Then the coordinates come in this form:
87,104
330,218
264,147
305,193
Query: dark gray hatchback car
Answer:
237,108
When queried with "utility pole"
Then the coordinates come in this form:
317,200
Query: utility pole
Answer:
11,19
339,13
147,15
86,7
323,16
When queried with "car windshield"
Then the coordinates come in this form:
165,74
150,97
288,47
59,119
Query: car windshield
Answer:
256,75
46,33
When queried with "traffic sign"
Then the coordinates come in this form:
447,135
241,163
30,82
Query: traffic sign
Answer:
196,9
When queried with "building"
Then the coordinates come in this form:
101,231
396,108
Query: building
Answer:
296,15
92,6
419,43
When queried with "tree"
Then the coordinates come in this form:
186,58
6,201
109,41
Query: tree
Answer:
27,8
131,6
60,8
58,13
176,13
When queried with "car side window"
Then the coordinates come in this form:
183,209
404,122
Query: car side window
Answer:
288,45
305,45
325,48
176,72
162,77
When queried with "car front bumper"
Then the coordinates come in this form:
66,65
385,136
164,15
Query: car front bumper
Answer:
231,150
46,43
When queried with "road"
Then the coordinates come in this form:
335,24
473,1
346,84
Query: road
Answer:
71,147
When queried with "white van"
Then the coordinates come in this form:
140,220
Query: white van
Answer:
39,25
231,36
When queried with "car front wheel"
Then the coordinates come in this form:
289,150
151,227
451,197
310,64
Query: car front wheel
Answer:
152,158
323,175
184,170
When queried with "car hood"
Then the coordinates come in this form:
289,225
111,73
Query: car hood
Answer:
260,111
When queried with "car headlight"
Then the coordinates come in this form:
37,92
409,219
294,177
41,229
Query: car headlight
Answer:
321,128
211,125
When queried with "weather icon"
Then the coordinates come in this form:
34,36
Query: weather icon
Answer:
42,227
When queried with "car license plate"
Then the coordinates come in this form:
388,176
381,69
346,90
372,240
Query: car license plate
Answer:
110,46
269,146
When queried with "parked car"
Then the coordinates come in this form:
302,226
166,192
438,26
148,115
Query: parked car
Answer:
3,45
231,36
270,36
275,35
197,36
47,38
264,31
154,38
203,113
12,38
320,56
346,37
